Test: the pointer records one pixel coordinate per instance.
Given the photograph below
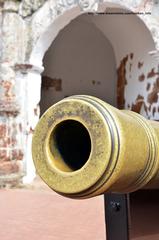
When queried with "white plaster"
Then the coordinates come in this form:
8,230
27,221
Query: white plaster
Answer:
28,88
33,90
83,58
125,40
49,35
50,13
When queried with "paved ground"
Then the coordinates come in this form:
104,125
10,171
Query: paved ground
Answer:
37,213
43,215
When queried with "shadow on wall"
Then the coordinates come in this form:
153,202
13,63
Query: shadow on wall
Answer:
144,215
81,60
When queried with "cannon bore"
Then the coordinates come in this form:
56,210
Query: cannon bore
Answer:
83,147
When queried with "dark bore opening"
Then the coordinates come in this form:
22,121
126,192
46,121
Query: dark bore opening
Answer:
72,141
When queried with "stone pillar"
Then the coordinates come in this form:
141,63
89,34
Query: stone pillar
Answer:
29,78
19,113
12,123
11,142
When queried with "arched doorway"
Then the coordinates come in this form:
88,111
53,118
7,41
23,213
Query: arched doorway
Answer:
81,60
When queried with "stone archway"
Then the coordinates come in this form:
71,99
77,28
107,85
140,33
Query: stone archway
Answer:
54,15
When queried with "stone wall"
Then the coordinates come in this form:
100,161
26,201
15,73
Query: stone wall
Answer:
27,29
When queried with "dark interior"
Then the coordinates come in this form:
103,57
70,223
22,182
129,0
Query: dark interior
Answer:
73,142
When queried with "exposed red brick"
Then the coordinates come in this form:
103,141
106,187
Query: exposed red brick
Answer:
8,86
3,155
48,82
9,108
3,143
153,95
17,154
10,155
140,64
136,107
3,130
121,82
23,67
8,113
8,168
8,141
141,78
152,73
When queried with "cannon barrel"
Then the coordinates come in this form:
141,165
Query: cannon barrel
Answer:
83,147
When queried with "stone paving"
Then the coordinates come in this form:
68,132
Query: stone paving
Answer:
39,213
35,212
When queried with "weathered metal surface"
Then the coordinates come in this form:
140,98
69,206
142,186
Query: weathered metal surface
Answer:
83,147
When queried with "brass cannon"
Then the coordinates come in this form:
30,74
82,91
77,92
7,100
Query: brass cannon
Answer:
83,147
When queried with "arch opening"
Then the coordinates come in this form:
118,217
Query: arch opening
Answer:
81,60
101,55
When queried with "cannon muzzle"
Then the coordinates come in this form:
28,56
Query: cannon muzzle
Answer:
83,147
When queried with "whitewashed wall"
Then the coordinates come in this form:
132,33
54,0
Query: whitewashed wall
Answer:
77,57
82,61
